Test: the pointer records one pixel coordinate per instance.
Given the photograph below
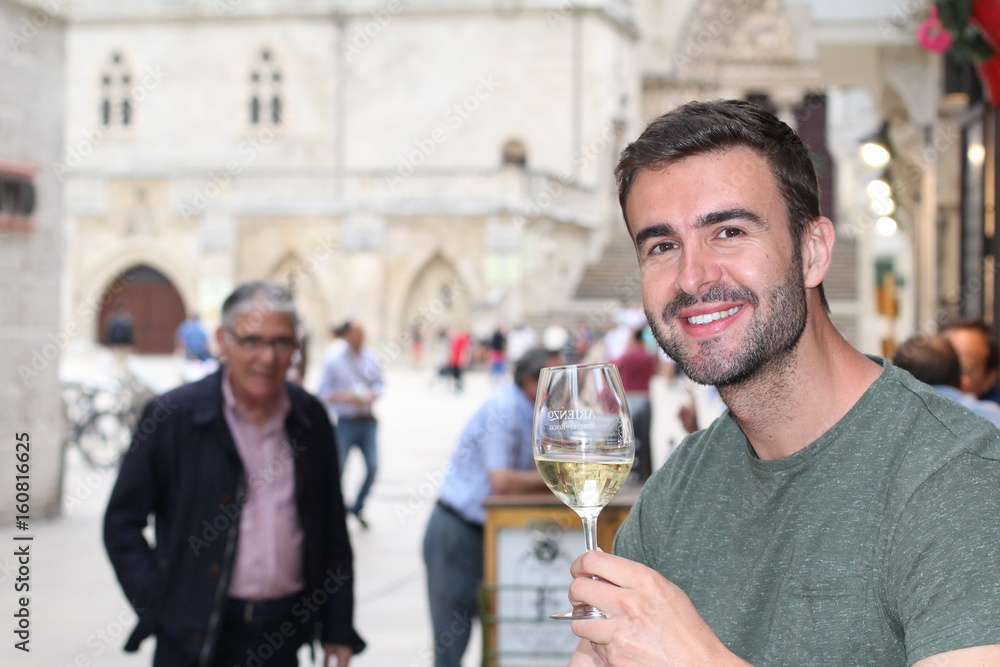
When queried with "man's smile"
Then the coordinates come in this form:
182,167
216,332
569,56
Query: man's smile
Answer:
711,317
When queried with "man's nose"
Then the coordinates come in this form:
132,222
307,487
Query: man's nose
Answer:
700,269
268,353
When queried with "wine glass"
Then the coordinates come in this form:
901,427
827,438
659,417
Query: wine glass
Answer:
583,445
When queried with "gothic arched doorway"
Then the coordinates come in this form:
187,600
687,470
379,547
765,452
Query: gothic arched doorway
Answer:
153,304
438,299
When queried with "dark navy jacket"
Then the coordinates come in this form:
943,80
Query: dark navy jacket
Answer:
183,468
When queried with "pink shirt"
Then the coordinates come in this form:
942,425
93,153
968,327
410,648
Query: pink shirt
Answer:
268,561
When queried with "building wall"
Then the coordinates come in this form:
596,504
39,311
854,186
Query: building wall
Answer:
385,181
384,187
31,338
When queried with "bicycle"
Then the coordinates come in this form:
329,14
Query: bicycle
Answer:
101,417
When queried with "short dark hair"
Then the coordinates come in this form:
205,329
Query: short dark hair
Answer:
531,363
701,128
932,360
972,324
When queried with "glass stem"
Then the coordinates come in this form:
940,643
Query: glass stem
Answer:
590,531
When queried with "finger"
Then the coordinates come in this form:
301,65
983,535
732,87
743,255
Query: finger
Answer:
596,631
601,650
589,562
597,592
619,571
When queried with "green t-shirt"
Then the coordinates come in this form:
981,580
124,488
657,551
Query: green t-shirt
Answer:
878,544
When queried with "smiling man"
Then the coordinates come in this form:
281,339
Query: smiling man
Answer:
839,512
251,558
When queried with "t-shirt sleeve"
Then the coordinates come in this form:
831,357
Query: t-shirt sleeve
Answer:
943,584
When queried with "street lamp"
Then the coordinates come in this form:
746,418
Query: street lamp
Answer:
875,150
886,226
875,155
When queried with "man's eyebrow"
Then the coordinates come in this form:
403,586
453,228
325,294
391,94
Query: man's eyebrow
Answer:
725,215
653,231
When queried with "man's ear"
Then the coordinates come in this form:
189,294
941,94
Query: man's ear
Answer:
220,338
817,250
992,377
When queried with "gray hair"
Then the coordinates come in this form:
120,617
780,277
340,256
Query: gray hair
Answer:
260,297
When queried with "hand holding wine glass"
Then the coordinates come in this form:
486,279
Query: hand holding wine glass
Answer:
583,444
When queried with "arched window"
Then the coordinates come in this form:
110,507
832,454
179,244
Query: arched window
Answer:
515,154
265,91
17,196
116,95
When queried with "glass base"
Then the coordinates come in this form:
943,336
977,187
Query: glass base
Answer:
581,613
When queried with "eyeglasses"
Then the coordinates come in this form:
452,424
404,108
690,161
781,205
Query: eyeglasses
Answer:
281,344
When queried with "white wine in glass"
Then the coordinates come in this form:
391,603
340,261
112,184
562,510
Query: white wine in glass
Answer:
583,445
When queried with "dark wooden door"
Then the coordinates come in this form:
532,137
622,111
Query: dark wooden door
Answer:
153,304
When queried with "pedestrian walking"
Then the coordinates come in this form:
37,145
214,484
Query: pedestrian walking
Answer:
350,384
240,477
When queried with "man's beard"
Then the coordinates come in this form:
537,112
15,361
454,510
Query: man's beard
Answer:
772,335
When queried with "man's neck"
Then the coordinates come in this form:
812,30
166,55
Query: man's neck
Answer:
256,410
787,407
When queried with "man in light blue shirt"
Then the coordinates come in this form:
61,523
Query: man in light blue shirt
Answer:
935,361
192,339
493,457
350,383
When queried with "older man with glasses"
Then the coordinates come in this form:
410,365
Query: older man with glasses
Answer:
251,557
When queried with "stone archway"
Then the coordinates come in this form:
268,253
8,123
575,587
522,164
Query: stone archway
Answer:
438,299
151,301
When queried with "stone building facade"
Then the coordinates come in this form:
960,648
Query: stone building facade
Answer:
447,162
442,162
31,224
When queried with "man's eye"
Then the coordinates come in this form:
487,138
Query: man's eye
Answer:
662,247
730,232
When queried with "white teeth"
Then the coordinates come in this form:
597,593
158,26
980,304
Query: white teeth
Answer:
711,317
